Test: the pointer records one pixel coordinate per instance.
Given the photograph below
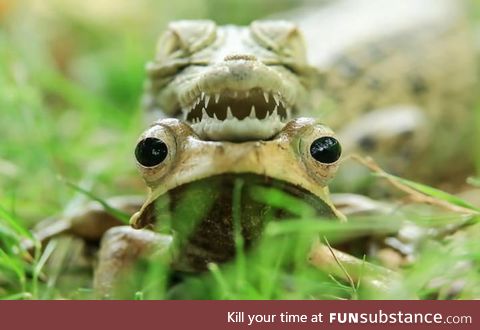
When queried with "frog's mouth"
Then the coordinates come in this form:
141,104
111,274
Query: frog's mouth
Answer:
203,215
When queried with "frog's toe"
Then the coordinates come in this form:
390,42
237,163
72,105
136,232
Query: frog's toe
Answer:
120,248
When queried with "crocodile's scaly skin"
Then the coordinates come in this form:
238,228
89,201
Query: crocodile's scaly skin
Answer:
400,76
393,78
230,83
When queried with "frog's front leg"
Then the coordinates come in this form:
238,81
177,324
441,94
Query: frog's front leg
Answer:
120,248
88,221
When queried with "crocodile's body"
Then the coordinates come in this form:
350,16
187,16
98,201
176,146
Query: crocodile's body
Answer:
401,75
394,78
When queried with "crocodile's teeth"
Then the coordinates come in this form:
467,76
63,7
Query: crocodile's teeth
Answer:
275,110
277,99
252,113
215,117
274,113
229,113
266,95
289,112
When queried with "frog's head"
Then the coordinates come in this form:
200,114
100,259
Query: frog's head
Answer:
192,178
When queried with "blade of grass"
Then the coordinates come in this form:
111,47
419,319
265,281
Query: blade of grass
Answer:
221,280
18,296
8,233
237,226
433,192
39,265
420,191
14,224
279,199
13,265
290,226
123,217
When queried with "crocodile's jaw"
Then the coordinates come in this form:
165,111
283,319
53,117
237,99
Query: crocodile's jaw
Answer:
230,115
239,100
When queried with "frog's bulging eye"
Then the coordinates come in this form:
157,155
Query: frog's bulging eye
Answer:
151,152
326,150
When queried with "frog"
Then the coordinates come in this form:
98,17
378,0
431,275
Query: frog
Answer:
177,165
192,184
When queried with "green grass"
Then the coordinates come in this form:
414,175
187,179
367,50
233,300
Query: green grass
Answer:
69,107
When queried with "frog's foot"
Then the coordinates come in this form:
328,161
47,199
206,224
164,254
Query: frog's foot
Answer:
120,248
382,243
89,221
382,281
357,205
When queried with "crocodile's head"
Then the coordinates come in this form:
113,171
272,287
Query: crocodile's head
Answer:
229,83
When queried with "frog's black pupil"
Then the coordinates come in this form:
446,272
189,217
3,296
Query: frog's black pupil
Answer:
151,151
326,150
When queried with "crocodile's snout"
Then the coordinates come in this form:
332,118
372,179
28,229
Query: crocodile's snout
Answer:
245,57
238,99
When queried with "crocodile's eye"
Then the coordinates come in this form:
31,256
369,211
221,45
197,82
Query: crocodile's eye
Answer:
188,36
326,150
151,152
282,37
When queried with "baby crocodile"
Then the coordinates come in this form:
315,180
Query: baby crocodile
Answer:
393,78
